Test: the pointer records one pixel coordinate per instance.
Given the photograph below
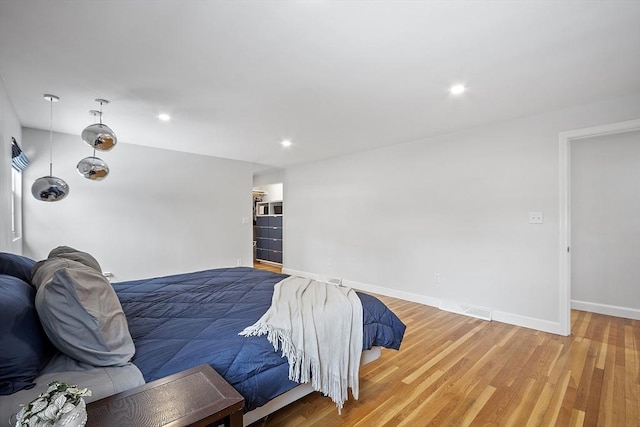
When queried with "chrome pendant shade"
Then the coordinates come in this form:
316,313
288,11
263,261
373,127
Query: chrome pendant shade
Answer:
98,135
50,188
93,168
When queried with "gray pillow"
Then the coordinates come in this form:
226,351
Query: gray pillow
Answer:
75,255
81,314
63,253
44,270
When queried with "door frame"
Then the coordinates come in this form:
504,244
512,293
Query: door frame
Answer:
565,140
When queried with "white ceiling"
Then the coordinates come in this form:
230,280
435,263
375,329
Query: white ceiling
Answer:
335,77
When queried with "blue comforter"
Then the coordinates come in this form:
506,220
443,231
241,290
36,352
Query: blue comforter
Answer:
181,321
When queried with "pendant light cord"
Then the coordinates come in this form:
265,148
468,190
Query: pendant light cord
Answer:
94,148
51,139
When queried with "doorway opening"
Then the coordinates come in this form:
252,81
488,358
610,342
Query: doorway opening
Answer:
566,140
268,216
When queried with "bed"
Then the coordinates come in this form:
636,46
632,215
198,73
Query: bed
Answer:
181,321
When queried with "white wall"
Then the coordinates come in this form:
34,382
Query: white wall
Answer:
269,176
456,205
605,223
9,127
158,212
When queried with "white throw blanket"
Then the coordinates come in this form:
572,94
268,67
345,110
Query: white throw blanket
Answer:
319,328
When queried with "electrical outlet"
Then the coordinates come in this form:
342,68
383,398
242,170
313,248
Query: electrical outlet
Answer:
436,278
536,218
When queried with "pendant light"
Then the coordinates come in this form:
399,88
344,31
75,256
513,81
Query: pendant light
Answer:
50,188
98,135
92,167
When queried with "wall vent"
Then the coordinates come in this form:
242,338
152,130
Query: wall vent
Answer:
332,280
465,309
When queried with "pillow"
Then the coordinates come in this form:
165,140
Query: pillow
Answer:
81,313
61,253
75,255
44,270
24,347
16,266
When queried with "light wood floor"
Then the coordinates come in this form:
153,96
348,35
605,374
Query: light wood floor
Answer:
454,370
268,267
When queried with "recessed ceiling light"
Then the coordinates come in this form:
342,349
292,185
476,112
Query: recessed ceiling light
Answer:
286,143
164,117
457,89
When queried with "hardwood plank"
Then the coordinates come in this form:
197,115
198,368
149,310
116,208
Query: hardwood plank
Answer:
632,375
478,404
584,385
620,347
602,354
552,416
619,403
577,418
592,408
606,399
581,328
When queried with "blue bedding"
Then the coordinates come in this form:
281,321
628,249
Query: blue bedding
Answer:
181,321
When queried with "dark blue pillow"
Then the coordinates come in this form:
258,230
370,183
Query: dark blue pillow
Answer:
24,347
16,265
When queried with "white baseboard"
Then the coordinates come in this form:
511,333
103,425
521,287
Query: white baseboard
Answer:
528,322
394,293
610,310
499,316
